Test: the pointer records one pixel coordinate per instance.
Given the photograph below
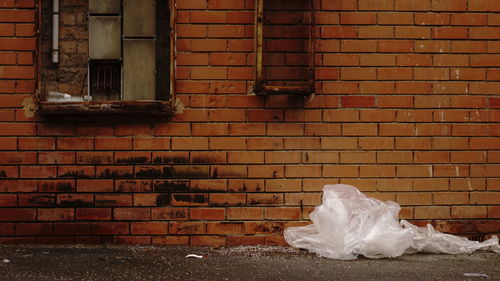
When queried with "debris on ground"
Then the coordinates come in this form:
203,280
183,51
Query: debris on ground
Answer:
194,256
349,224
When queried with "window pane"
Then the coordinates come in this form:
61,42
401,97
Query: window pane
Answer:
104,37
139,69
104,6
139,17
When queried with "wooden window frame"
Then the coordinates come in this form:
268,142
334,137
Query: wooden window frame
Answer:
261,87
146,107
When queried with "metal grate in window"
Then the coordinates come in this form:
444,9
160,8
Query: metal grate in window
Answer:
105,80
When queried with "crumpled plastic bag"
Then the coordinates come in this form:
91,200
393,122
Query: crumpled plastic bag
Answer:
349,223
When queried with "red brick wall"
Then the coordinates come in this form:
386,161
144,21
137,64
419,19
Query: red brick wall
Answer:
406,109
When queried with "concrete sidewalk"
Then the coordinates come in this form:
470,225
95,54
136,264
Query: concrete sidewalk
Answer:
79,262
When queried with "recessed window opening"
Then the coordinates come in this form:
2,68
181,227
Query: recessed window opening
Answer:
284,46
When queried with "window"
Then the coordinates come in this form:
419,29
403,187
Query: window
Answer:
107,56
284,39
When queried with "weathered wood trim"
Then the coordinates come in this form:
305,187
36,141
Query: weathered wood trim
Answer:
111,107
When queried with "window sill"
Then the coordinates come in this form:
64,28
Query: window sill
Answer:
109,107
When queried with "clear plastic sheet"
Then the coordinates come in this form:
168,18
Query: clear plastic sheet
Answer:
349,224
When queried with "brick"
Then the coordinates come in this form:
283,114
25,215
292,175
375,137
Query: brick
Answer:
411,171
360,129
493,212
17,129
36,143
319,157
148,228
38,172
110,228
171,240
379,32
451,198
60,214
356,46
469,212
283,213
187,228
358,18
8,200
395,18
413,32
338,32
207,214
75,143
358,101
388,46
113,143
484,197
224,228
339,143
232,171
432,19
245,213
105,200
468,157
431,157
432,212
18,44
395,102
302,171
377,171
190,143
433,46
414,198
7,29
72,228
25,29
224,199
93,214
357,157
265,199
467,184
484,33
169,213
358,73
131,214
468,19
343,171
199,31
468,47
211,241
210,129
94,157
31,229
451,171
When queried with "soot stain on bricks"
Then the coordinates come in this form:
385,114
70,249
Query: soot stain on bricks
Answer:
165,172
163,200
170,186
170,160
199,199
133,160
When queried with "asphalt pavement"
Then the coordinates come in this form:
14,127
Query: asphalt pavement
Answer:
115,262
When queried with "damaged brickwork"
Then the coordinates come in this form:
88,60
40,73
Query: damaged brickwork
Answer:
406,108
